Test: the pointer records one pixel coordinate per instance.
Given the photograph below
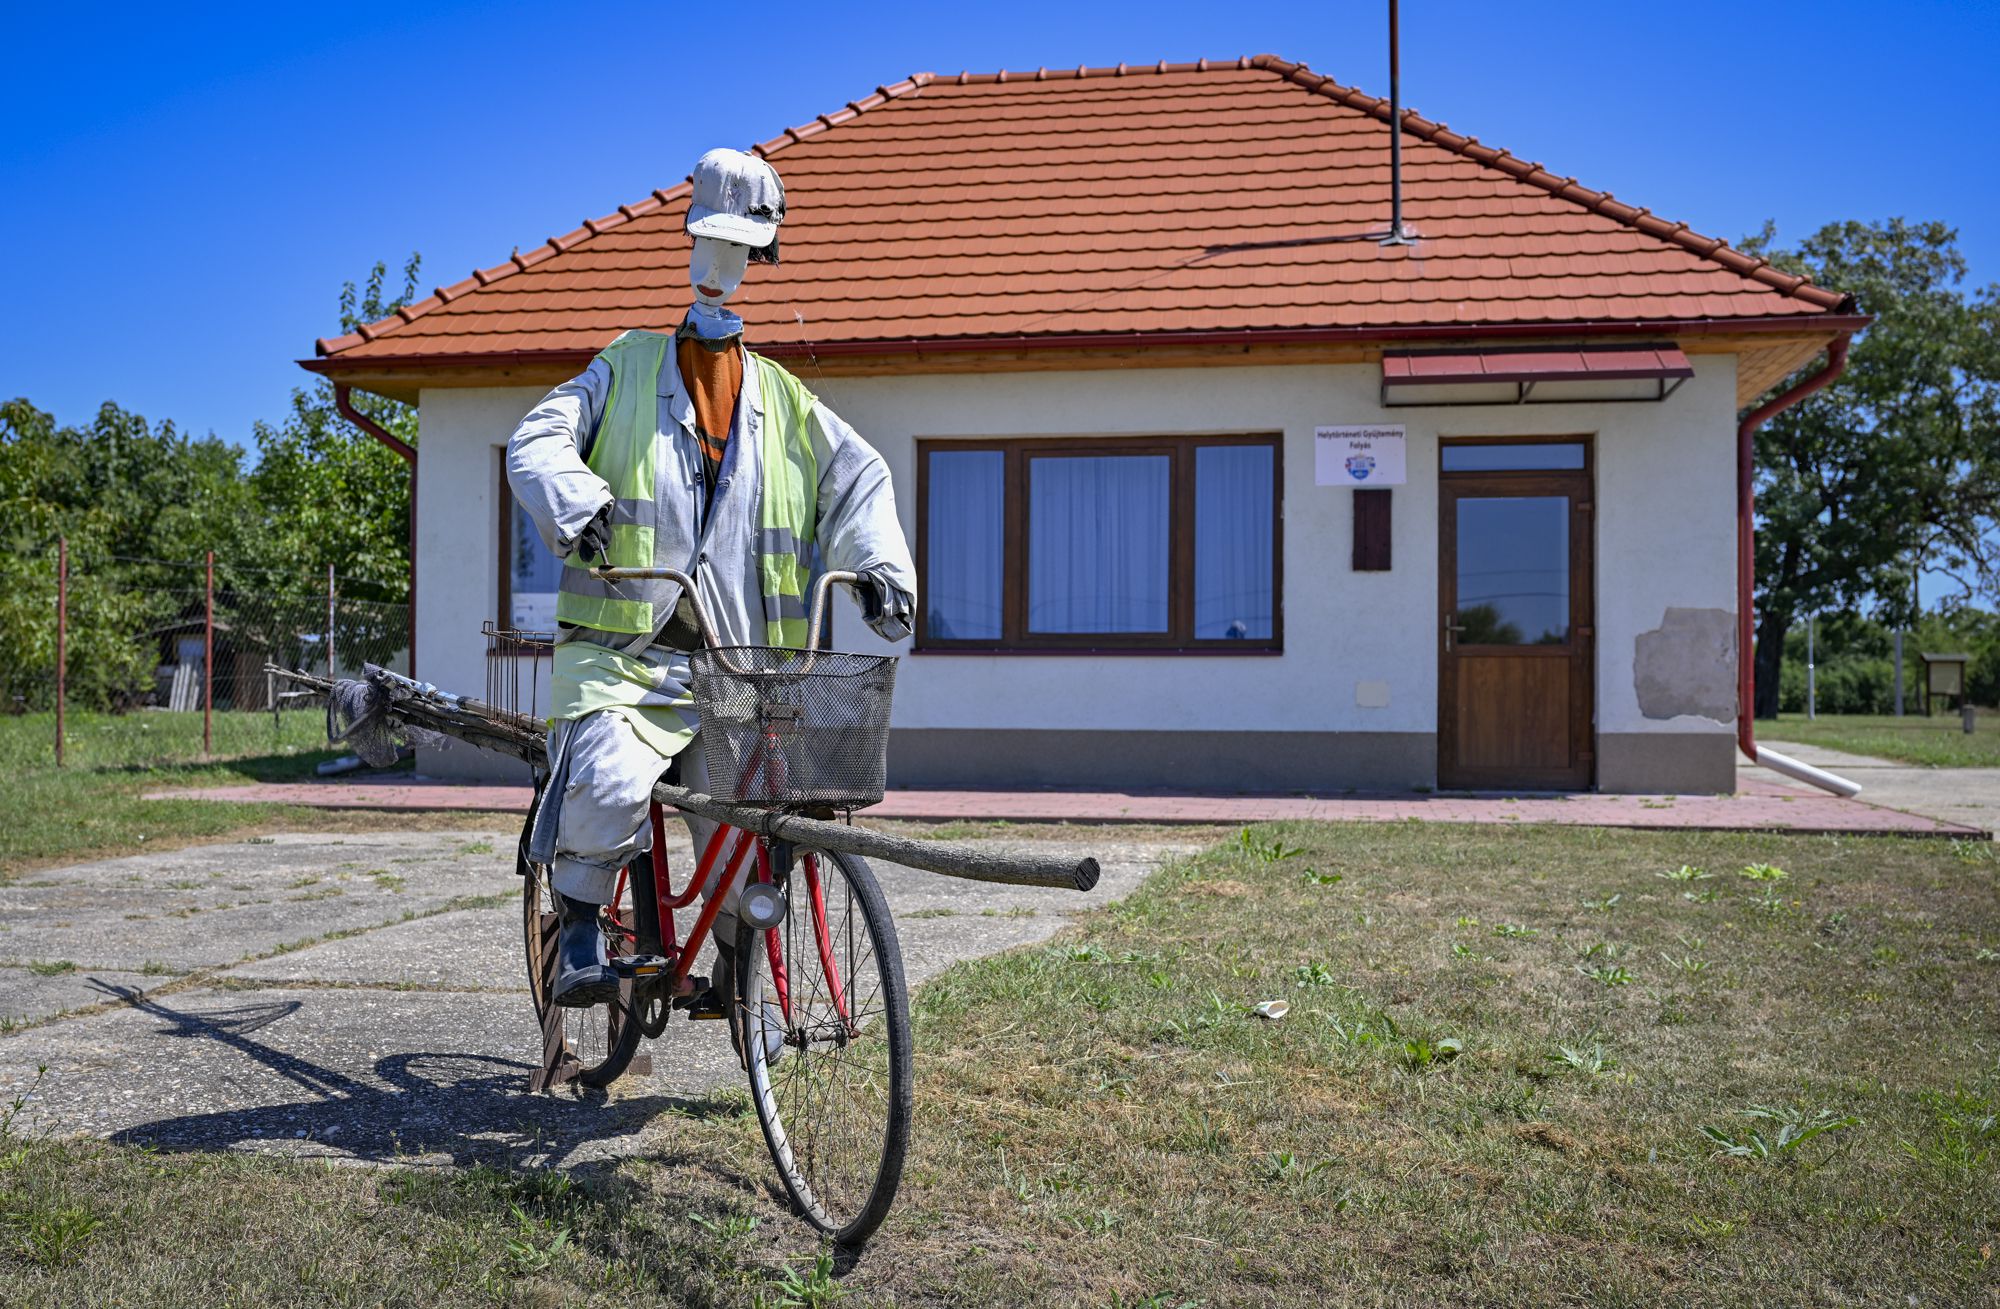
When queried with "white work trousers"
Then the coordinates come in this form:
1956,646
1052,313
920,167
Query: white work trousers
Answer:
605,822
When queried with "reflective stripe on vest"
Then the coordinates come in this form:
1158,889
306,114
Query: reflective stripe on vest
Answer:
788,506
625,454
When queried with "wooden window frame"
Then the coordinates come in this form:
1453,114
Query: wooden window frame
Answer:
1179,638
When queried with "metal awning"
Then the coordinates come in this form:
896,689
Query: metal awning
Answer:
1533,375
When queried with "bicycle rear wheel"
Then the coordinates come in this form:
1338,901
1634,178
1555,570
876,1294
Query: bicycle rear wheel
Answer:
602,1038
823,1017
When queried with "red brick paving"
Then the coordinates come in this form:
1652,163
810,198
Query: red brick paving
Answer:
1759,806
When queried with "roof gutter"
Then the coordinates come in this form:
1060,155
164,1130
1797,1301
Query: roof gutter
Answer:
343,401
1746,578
1798,324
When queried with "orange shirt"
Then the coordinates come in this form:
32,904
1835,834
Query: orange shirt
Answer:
714,378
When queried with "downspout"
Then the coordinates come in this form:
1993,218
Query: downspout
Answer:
1746,579
408,453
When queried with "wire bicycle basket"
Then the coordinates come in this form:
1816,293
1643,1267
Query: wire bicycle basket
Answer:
794,727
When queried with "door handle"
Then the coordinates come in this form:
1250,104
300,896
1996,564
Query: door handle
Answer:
1449,628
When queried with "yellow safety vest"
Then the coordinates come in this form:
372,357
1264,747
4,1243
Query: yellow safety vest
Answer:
626,455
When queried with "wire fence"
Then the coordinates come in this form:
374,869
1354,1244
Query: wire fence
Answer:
130,662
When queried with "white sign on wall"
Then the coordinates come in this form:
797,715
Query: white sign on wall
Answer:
1359,455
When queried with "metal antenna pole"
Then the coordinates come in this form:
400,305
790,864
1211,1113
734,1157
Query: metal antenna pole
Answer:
1397,236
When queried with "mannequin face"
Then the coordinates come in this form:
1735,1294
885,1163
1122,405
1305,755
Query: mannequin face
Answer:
716,269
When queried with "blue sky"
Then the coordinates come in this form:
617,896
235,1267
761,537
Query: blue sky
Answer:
184,188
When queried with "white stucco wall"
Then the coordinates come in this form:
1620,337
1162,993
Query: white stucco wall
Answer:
1665,525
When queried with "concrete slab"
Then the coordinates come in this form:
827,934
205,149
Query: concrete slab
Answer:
409,1041
463,949
206,906
1967,797
27,995
402,1076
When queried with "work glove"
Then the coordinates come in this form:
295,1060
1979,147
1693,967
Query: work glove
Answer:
884,607
593,544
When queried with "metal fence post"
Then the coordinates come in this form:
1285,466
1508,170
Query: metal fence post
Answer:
62,638
208,660
329,623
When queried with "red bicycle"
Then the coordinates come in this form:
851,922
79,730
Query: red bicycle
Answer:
818,1008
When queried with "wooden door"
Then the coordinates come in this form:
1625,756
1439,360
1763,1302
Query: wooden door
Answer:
1515,691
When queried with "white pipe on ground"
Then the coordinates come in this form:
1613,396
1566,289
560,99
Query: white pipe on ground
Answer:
1806,773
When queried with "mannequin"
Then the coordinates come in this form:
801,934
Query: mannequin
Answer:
620,707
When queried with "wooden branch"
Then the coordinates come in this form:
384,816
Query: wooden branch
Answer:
491,729
948,858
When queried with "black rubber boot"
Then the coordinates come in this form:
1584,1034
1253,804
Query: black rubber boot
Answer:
583,977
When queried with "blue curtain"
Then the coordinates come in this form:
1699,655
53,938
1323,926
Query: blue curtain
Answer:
533,576
962,551
1232,542
1098,543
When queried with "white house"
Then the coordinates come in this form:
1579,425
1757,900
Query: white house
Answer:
1209,486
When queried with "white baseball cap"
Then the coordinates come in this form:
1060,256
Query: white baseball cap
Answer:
737,197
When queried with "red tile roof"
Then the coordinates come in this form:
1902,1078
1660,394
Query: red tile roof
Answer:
1065,205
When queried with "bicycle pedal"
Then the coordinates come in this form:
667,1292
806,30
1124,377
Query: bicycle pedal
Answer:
640,965
701,1002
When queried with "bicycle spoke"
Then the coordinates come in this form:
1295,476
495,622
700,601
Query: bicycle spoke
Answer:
835,1101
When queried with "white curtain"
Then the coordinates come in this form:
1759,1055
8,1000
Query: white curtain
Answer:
1232,542
1098,543
962,552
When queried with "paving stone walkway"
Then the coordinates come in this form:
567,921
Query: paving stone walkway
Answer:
363,997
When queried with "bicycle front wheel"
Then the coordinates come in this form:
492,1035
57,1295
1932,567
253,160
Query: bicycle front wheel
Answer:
823,1017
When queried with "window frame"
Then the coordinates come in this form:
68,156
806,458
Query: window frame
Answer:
1179,638
504,564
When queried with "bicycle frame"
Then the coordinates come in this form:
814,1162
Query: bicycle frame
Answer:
738,844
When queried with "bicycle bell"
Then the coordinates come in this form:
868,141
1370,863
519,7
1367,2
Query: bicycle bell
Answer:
762,905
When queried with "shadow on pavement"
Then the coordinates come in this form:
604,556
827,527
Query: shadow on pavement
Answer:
437,1107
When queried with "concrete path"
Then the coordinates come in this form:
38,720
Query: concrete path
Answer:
1965,796
363,997
1765,803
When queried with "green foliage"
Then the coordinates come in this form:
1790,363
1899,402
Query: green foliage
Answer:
128,494
1855,672
1793,1129
1264,852
1590,1061
1895,466
1420,1054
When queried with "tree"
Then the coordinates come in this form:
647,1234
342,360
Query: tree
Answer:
127,496
1895,467
330,493
138,503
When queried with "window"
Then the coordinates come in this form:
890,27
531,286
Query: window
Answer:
1133,543
529,570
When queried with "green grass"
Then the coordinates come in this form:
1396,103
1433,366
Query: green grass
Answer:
1935,742
1450,1113
94,806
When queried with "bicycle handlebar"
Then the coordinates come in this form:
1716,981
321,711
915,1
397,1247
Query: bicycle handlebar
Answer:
687,585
